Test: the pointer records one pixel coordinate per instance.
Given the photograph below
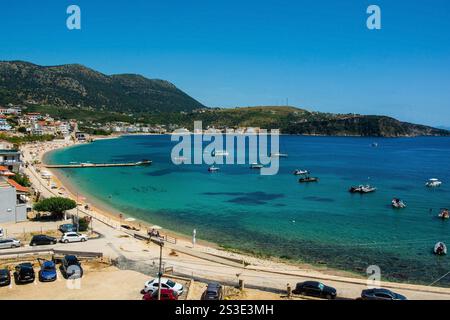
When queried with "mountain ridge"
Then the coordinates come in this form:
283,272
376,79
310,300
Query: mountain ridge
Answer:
84,93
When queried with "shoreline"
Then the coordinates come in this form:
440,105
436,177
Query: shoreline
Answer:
206,246
99,207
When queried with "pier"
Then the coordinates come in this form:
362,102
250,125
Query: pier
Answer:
98,165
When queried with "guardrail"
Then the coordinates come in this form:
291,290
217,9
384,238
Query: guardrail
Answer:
39,251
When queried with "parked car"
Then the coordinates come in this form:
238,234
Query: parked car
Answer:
166,294
71,267
5,277
67,227
214,291
153,285
315,289
24,273
73,237
2,233
9,243
381,294
42,239
47,272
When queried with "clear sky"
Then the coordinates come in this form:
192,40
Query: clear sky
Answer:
318,54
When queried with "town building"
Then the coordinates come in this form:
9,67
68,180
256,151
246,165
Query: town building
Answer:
13,201
11,159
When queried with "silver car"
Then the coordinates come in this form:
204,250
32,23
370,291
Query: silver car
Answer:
9,243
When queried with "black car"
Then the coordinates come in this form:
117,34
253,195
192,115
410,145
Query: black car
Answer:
214,291
24,273
315,289
40,240
381,294
71,267
5,277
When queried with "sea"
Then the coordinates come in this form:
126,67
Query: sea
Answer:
319,223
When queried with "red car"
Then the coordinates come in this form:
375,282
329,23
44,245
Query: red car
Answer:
166,294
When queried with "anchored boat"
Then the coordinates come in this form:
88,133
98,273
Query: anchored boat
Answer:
432,183
398,204
440,249
300,172
213,169
444,214
308,179
362,189
256,166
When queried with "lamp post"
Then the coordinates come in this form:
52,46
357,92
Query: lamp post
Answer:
160,243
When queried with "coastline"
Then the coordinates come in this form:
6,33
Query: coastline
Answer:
210,247
99,207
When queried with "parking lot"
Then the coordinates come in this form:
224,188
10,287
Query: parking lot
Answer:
99,281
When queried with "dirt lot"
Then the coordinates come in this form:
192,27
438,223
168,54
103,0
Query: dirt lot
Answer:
98,282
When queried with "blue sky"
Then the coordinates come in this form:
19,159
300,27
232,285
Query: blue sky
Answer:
318,54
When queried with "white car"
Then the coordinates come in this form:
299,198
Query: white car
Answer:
73,237
153,285
9,243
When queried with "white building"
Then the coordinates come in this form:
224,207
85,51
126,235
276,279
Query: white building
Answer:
13,206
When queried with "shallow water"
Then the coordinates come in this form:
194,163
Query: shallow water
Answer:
318,222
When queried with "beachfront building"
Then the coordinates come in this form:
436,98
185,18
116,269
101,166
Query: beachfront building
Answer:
81,136
4,126
10,158
13,201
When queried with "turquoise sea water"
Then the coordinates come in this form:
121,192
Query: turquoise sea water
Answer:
318,222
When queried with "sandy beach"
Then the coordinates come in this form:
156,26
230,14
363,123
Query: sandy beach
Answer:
207,260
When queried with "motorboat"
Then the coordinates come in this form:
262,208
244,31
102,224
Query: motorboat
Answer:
300,172
213,169
220,153
398,204
279,155
440,249
308,179
362,189
433,183
256,166
444,214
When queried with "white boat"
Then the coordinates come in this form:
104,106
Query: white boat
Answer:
300,172
256,166
213,169
362,189
398,204
444,214
279,155
433,183
220,153
440,249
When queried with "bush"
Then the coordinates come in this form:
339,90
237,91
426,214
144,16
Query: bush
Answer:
83,223
56,206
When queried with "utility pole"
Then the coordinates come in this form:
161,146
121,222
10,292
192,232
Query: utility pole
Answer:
160,243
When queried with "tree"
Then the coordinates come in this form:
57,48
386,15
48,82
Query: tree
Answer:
56,206
22,179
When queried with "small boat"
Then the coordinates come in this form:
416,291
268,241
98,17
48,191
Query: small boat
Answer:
308,179
279,155
256,166
398,204
362,189
433,183
220,153
440,249
300,172
213,169
444,214
375,144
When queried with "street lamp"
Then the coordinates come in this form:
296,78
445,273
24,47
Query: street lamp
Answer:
160,243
